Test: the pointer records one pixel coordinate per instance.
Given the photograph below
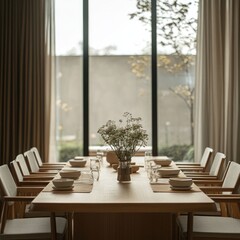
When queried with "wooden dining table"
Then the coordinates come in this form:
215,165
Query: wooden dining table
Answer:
114,210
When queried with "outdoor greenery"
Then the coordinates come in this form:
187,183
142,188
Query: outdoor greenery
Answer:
178,152
186,93
69,150
126,137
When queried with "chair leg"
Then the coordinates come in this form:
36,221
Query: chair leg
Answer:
70,225
190,226
3,217
53,226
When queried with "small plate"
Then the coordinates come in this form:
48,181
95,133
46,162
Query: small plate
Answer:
62,188
181,188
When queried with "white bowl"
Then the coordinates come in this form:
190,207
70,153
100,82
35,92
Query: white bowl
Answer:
62,183
77,163
180,182
70,173
163,162
165,172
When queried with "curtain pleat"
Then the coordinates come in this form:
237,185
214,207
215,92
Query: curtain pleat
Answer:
232,76
23,84
217,78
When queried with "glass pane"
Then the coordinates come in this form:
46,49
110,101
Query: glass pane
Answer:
68,78
120,78
176,32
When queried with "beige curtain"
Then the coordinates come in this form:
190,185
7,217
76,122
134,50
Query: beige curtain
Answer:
24,80
50,144
217,78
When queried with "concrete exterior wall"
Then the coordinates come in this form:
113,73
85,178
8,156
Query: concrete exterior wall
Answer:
114,89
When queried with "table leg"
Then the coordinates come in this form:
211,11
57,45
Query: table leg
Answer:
190,226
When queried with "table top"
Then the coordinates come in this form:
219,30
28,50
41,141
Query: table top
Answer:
108,195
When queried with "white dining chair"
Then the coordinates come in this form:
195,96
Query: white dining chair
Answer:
26,172
25,181
216,171
25,228
202,165
57,165
230,183
214,227
225,226
33,165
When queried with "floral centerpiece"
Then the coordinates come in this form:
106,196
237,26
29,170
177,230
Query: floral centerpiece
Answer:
124,138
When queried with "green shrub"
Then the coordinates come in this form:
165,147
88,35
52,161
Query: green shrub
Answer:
178,152
189,156
67,152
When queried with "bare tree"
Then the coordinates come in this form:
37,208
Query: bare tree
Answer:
186,93
176,39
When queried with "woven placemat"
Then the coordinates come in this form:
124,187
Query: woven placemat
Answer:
167,188
82,185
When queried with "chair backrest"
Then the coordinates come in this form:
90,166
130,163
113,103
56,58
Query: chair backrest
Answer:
16,171
8,184
37,155
23,165
232,178
32,162
217,165
206,157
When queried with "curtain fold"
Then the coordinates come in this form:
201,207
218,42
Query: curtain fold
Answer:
24,86
50,155
217,77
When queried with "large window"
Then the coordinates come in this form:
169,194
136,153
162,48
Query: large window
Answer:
120,79
176,44
68,103
116,42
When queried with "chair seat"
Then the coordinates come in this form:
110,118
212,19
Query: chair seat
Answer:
213,213
33,214
33,228
211,226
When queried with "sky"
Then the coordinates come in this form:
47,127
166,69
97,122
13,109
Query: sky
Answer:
109,26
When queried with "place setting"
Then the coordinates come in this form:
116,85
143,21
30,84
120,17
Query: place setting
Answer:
70,173
180,184
62,184
71,180
157,171
78,161
163,161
